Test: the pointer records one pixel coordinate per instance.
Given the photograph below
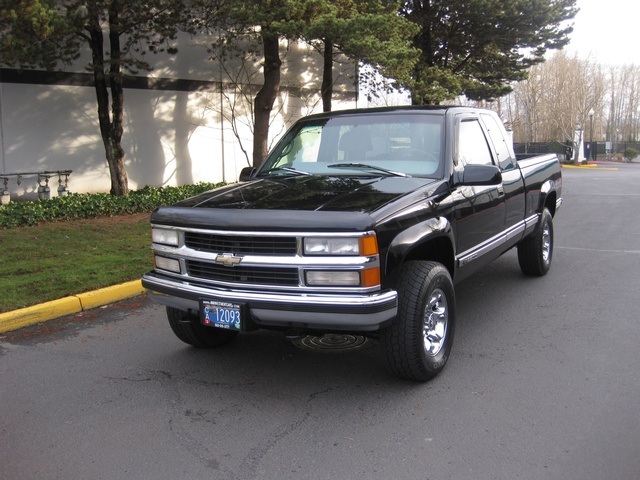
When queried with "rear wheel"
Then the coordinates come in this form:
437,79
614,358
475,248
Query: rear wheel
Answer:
536,252
418,343
188,329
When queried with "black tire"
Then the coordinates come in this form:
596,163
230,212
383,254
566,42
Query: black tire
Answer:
426,305
188,329
536,252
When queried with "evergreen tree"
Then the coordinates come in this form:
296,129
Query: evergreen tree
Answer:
478,47
367,31
370,31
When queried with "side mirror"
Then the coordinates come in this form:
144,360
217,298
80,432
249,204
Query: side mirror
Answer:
246,173
480,175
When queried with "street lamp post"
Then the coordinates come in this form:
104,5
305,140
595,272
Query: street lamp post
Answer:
591,114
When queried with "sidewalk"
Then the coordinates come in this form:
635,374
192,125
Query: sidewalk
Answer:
68,306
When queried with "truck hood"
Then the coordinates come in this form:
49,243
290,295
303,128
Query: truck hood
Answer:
343,204
309,193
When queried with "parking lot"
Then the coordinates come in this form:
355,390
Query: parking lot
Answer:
543,381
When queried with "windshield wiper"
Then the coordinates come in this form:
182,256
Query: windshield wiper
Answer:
364,166
283,169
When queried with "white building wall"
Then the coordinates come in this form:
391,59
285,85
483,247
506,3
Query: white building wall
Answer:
174,134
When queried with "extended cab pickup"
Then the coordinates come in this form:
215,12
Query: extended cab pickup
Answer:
358,221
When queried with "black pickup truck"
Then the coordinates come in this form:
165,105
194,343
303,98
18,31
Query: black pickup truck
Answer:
358,221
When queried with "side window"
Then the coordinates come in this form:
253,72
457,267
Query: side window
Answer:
496,132
473,148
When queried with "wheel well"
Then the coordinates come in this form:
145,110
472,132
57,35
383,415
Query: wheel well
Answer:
550,203
437,249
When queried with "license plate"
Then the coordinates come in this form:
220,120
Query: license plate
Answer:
219,314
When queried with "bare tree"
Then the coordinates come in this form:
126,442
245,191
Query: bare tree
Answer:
568,93
557,98
622,123
238,69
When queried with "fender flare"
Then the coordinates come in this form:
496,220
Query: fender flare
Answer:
547,189
414,236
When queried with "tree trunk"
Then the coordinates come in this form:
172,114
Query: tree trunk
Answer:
119,180
111,136
266,97
326,90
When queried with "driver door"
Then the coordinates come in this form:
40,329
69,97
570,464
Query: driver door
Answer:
479,210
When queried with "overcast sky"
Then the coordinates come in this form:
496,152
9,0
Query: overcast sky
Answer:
608,29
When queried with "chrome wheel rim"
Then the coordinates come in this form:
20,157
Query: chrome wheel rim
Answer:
546,243
436,317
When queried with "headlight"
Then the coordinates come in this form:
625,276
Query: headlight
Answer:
165,263
366,245
165,236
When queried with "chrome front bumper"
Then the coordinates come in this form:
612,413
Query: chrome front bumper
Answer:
362,312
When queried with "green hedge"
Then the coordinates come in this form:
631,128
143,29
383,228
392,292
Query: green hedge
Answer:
76,205
630,154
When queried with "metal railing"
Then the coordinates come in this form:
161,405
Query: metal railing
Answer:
43,178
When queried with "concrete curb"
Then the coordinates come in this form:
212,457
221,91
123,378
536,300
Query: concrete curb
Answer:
68,306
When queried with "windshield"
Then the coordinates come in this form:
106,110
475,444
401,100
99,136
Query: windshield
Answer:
376,145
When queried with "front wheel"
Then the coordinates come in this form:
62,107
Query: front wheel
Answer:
535,252
188,329
418,342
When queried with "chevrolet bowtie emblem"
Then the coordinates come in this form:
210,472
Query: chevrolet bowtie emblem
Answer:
228,259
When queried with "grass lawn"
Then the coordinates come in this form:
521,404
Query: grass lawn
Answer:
59,259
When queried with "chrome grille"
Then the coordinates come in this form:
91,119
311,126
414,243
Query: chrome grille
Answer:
243,274
240,244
